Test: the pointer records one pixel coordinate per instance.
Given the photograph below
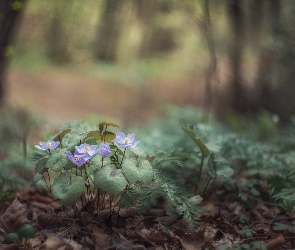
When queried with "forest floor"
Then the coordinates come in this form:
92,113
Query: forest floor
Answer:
57,229
61,97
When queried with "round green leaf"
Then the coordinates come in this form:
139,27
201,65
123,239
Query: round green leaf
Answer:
69,165
67,188
136,169
36,178
96,161
57,161
12,238
110,179
41,165
27,232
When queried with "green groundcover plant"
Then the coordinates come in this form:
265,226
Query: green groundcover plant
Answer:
180,160
90,165
102,169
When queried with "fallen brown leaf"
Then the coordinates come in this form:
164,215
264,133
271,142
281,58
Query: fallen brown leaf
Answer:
14,217
55,243
134,222
193,241
102,240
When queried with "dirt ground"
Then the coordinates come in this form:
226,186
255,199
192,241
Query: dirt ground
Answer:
63,95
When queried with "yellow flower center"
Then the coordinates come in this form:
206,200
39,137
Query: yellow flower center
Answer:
78,158
127,140
49,144
87,149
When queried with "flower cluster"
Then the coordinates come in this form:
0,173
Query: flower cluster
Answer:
85,152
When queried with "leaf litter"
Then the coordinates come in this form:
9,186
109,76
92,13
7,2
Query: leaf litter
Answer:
231,226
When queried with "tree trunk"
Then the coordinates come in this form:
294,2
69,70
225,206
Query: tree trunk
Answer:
109,31
238,95
10,11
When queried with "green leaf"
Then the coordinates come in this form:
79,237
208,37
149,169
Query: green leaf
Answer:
246,232
288,203
41,167
108,136
6,196
36,178
61,135
110,179
57,161
245,246
255,191
69,165
244,219
136,169
258,245
195,200
103,124
96,161
198,141
95,134
282,227
218,166
67,188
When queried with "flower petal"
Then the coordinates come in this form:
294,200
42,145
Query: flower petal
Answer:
131,137
120,138
104,150
135,143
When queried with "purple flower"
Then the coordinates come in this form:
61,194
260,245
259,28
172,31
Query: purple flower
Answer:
85,151
125,141
50,145
77,160
104,149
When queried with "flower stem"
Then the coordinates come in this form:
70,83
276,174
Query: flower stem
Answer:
200,172
210,178
123,157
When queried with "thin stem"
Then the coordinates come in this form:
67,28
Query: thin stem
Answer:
46,183
200,172
123,157
97,202
49,182
103,199
91,235
105,130
210,178
110,213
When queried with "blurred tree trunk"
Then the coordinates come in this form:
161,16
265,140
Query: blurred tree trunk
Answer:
211,72
58,38
10,11
268,59
157,38
109,31
283,70
238,95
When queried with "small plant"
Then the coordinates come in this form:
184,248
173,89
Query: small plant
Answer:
94,167
12,238
26,232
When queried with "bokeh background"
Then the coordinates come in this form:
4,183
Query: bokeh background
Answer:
126,60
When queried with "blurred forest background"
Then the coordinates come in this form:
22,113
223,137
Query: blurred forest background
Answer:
128,59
